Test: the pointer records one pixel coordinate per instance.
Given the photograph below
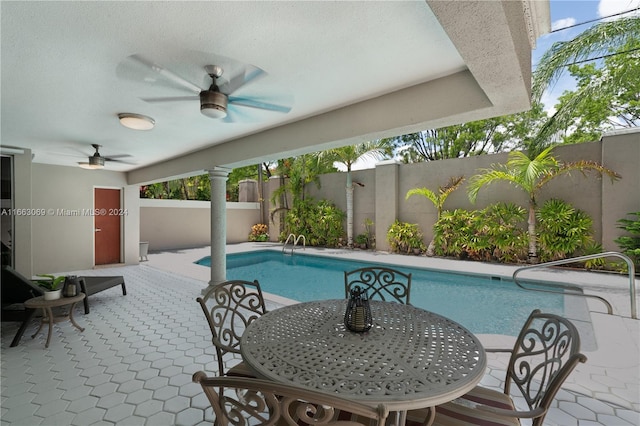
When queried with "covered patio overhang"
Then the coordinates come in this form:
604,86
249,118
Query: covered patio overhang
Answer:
494,41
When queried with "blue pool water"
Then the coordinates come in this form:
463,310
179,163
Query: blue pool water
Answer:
481,303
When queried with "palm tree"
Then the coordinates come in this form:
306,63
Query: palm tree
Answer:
607,38
348,155
602,38
531,175
437,200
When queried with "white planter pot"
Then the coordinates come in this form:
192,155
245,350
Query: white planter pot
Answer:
144,250
53,295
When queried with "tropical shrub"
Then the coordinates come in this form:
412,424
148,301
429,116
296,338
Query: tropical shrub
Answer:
598,262
505,228
452,232
259,232
320,222
630,244
495,233
403,237
563,231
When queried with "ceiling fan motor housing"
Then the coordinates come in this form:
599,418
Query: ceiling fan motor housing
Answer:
96,160
213,104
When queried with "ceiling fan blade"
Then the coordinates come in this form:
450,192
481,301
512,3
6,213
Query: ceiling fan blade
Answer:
67,155
115,157
138,68
171,99
238,115
252,103
248,75
115,160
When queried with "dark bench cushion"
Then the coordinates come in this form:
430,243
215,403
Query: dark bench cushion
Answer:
93,285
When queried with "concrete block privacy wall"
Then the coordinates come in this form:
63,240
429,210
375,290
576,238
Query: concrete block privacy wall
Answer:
381,197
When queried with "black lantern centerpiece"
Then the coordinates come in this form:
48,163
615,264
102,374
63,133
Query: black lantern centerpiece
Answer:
358,314
71,286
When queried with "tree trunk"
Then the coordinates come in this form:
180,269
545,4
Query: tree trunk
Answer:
533,243
431,248
349,210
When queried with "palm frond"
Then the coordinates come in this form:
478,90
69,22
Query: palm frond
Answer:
582,166
425,192
600,38
488,176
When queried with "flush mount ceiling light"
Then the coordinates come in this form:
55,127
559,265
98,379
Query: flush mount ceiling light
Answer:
136,121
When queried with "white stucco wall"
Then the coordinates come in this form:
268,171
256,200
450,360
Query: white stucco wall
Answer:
176,224
64,242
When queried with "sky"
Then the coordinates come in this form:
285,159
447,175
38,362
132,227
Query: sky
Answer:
564,13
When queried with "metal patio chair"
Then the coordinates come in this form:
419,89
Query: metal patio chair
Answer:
380,283
545,353
229,307
250,401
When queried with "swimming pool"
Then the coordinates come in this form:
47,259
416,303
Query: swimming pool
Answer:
483,304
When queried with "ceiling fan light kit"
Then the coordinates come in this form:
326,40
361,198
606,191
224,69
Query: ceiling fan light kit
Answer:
213,104
92,165
136,121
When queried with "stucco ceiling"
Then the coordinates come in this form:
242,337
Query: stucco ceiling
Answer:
350,71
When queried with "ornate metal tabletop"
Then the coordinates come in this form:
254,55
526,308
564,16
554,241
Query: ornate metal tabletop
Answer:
411,358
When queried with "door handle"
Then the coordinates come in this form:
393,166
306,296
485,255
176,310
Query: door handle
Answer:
98,229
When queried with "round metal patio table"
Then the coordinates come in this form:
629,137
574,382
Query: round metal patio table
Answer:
410,359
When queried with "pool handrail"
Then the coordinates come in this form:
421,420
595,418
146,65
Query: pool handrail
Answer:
630,270
294,241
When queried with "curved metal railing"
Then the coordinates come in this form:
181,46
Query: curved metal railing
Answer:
294,240
630,268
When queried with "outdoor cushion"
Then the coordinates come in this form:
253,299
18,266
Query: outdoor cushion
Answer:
93,285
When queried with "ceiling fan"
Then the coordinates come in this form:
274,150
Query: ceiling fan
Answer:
217,100
97,161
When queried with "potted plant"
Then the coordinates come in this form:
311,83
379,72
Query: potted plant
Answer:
362,241
52,286
417,244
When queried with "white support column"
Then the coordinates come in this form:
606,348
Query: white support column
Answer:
218,177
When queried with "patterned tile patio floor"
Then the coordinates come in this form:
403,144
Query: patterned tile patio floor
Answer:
133,363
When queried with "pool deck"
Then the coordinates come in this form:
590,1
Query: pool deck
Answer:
133,363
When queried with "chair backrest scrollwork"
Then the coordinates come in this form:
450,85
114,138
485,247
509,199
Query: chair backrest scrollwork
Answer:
229,307
546,351
249,401
380,283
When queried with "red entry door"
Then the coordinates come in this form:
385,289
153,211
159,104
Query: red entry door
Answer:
107,226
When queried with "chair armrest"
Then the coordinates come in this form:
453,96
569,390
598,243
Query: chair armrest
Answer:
494,350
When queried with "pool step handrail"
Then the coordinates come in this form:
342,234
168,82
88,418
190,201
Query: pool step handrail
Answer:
294,241
578,290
